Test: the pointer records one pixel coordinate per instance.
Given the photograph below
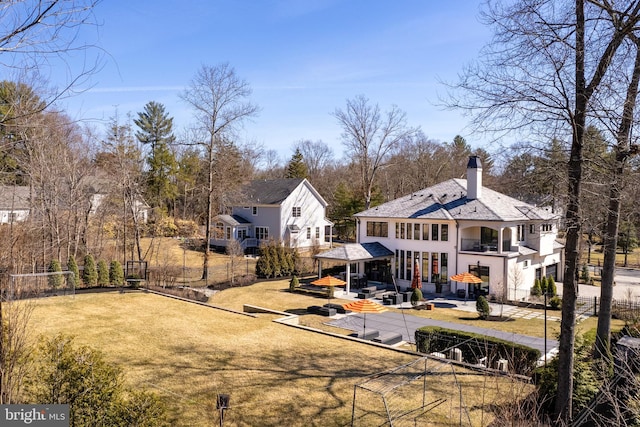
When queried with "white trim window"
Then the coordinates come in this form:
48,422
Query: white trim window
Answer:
296,211
254,210
262,233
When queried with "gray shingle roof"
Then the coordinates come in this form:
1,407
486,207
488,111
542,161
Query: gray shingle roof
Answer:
14,197
232,220
357,252
448,201
270,191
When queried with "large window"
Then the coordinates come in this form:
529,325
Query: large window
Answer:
218,231
434,231
377,229
520,232
444,232
296,212
425,231
416,231
425,266
489,238
409,231
435,268
262,233
444,264
408,266
481,271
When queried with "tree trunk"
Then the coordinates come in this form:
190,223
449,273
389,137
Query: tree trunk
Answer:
563,404
602,349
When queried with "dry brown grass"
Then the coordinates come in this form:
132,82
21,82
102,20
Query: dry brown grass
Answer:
276,374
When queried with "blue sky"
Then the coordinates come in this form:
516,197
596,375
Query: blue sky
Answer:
302,58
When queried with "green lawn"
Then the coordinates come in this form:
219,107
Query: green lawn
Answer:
276,375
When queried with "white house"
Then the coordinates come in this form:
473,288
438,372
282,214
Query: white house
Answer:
288,210
460,226
14,204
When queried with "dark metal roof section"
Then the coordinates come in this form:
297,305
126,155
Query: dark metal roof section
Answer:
357,252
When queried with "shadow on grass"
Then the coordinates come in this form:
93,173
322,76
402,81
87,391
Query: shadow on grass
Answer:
490,319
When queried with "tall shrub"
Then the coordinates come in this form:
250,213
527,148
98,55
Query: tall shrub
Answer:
116,273
89,274
543,285
482,307
103,273
55,280
416,296
72,266
552,290
537,289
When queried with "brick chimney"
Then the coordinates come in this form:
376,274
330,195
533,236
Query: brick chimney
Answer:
474,178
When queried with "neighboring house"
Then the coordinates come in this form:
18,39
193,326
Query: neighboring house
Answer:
288,210
14,204
460,226
15,201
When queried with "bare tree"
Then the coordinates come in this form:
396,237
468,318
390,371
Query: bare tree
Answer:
543,73
369,136
219,100
36,36
317,156
623,151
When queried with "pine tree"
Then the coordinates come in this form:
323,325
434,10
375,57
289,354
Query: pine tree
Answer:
296,167
103,273
89,274
543,285
116,274
156,130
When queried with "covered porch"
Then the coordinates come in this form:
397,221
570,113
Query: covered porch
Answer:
372,263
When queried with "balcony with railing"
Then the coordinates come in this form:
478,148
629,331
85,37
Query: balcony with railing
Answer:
477,245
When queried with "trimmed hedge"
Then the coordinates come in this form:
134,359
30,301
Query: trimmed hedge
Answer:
522,359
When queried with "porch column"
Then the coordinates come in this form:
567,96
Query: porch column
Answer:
348,278
500,233
319,268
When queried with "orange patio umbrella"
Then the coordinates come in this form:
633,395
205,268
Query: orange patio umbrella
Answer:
364,306
466,278
416,282
329,282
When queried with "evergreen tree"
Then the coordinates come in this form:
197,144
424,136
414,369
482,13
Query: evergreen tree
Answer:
72,266
482,307
55,281
116,273
89,274
543,285
103,273
156,130
537,289
552,290
297,167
